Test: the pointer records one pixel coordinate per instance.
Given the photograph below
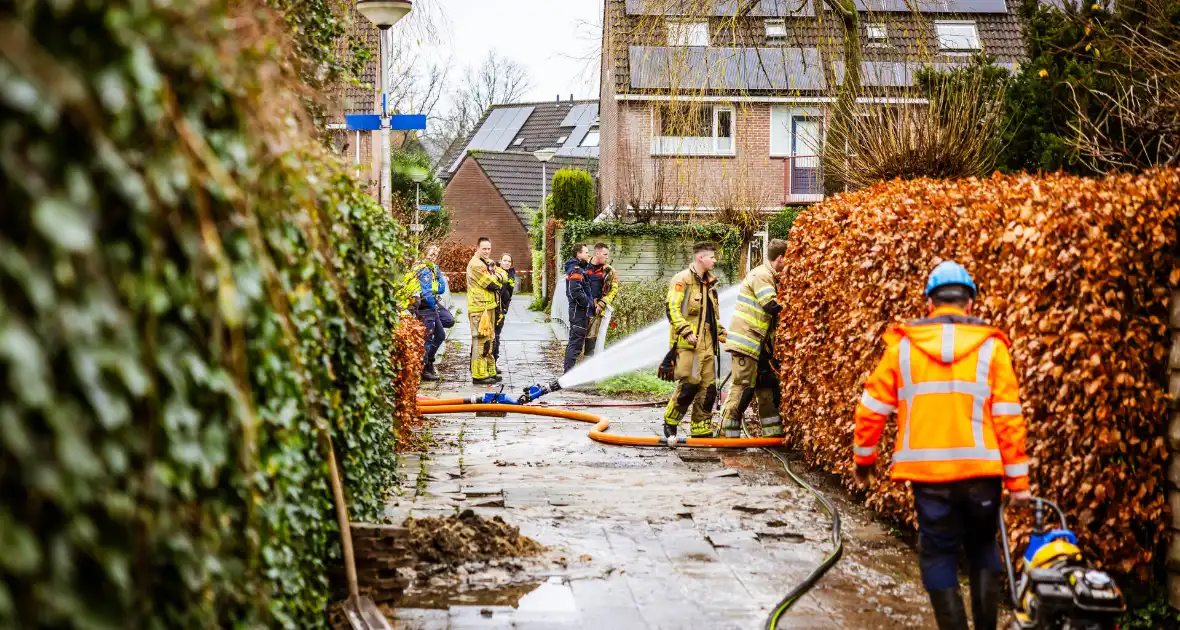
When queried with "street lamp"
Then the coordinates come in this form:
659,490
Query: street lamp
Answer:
544,155
384,14
419,176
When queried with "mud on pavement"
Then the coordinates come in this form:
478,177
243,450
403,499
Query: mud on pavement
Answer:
634,538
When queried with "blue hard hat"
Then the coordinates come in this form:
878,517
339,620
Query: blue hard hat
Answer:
950,272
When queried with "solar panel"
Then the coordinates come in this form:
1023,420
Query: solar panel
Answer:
579,114
656,67
756,8
504,129
496,133
933,6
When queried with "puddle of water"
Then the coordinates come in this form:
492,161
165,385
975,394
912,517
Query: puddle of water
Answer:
551,597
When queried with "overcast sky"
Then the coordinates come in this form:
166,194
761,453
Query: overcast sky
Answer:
551,38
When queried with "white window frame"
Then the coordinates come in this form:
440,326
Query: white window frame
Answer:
788,113
949,42
693,145
597,138
688,32
776,29
877,33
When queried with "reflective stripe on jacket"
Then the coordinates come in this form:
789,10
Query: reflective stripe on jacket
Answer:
750,325
603,283
577,292
950,380
686,310
482,285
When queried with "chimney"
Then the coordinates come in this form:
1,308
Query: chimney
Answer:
571,97
558,98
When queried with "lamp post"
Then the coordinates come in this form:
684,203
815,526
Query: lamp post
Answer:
419,176
384,14
544,155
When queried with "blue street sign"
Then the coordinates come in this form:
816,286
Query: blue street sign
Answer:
406,122
430,208
362,122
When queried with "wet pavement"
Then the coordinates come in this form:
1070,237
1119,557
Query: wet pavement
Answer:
637,538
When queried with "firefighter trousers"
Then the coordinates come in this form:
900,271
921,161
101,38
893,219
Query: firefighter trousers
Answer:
748,381
483,364
696,387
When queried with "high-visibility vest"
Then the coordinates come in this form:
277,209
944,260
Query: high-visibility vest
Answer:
950,380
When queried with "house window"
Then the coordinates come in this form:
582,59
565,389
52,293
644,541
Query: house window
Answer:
776,29
591,139
791,134
694,129
562,139
877,33
682,33
957,36
518,142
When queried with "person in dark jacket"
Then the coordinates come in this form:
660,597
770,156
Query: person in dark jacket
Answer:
581,307
507,287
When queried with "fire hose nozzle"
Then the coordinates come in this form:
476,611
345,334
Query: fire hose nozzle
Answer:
536,391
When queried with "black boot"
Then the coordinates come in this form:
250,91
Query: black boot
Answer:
669,430
428,373
985,597
949,612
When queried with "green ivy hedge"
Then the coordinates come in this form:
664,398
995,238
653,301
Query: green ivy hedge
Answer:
189,285
724,236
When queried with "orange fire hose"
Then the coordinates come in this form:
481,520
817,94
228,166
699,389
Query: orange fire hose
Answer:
598,433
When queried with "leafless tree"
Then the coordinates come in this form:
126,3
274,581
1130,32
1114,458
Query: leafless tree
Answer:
497,80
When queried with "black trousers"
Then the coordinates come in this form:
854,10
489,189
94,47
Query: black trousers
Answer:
499,329
577,340
954,517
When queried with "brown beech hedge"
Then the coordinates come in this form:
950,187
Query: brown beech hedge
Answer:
1077,271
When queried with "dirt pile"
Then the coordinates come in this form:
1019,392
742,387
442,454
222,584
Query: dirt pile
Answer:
467,537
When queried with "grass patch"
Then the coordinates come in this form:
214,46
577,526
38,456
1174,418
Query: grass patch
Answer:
636,383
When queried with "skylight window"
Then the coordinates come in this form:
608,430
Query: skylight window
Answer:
957,36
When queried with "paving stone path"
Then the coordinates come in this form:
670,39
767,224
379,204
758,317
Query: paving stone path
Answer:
638,538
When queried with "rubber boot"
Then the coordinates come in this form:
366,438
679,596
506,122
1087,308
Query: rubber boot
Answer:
985,598
669,430
949,612
428,373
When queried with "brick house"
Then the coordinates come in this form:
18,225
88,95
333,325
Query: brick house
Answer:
493,182
345,97
704,106
494,193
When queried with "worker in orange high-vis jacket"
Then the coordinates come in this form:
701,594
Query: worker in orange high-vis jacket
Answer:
950,380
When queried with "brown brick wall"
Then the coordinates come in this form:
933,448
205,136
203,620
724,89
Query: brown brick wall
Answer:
608,115
750,177
477,209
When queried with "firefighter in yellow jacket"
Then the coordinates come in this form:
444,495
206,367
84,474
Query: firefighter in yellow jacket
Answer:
695,339
483,287
751,343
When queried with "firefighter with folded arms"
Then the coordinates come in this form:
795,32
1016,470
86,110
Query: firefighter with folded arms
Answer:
750,341
960,440
483,287
695,339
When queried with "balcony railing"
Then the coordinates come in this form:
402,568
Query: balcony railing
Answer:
803,178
